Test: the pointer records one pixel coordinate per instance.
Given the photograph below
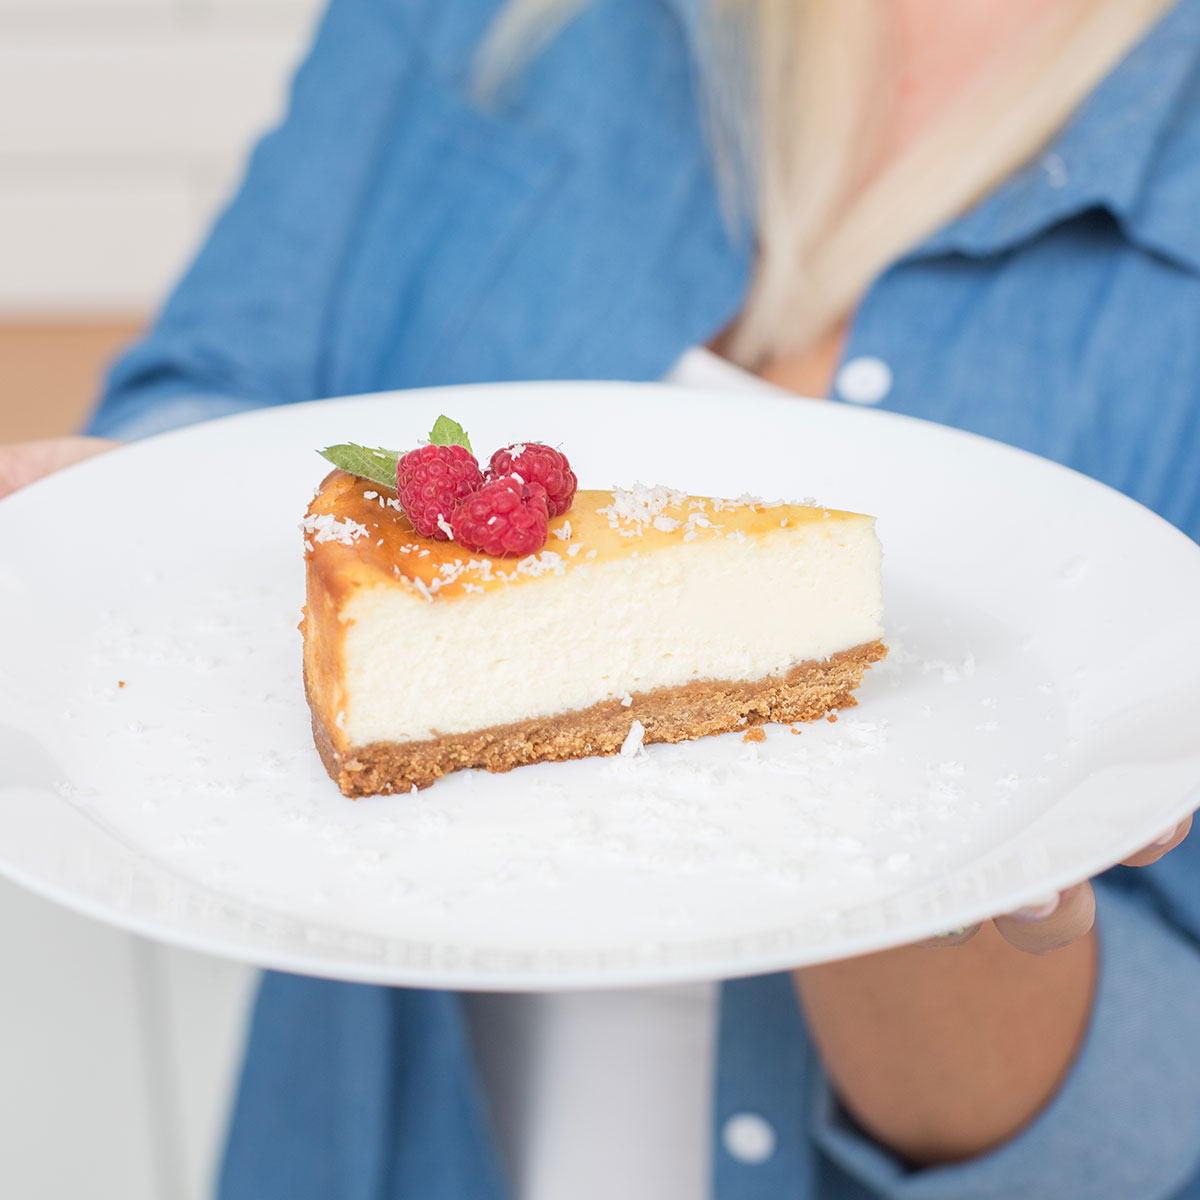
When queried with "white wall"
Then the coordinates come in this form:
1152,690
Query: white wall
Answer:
123,124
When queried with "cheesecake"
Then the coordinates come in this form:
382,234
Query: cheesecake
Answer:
649,615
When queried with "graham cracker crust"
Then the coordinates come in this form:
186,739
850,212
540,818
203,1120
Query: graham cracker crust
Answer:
808,691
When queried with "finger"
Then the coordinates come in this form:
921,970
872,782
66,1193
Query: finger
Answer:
1164,845
1039,929
952,937
24,462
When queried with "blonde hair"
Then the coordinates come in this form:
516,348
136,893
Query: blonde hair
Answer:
790,92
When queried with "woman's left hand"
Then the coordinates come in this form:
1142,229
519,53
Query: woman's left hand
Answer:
942,1056
22,463
1063,917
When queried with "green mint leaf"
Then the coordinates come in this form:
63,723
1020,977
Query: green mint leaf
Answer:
379,466
446,432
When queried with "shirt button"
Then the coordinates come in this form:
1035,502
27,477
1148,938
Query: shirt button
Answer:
748,1137
864,380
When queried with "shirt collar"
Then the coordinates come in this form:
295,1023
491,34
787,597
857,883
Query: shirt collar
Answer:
1132,149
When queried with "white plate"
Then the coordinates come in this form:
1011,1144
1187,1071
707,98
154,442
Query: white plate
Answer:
1034,723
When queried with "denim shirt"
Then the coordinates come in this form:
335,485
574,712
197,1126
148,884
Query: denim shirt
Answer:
391,235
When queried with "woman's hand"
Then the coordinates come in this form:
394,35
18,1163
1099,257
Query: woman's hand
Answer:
23,462
945,1054
1063,917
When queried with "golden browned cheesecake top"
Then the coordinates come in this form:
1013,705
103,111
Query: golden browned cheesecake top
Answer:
356,535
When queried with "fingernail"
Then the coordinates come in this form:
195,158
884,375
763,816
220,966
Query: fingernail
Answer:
1167,838
1038,910
949,933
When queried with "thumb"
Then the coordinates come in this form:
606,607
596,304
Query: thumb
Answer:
23,462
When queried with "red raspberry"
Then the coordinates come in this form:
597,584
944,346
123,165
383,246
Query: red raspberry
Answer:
431,481
536,463
504,517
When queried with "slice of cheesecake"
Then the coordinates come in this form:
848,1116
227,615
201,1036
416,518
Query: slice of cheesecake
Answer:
649,613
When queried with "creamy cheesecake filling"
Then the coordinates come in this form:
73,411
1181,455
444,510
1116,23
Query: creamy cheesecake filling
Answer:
727,609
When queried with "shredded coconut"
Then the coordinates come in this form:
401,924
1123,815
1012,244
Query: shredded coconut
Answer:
632,745
539,564
638,506
421,586
327,528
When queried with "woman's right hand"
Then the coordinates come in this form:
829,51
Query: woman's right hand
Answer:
23,462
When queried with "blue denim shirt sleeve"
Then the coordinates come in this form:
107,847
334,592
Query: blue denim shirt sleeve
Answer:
244,327
1123,1122
162,412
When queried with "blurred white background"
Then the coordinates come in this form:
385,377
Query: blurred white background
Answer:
123,126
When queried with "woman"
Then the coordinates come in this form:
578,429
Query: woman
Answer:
979,213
